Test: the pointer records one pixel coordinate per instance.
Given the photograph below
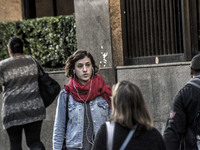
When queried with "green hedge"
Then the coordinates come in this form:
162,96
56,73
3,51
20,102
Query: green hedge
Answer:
50,39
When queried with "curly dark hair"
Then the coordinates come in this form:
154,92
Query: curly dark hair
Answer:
77,55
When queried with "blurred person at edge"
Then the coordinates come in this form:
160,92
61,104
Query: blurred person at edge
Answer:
182,128
23,107
88,104
129,111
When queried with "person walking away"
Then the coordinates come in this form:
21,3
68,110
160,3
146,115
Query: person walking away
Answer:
23,108
130,122
88,104
182,127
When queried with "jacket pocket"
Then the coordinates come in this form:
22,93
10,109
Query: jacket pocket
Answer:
103,105
103,109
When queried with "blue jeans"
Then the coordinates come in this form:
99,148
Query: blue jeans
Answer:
32,134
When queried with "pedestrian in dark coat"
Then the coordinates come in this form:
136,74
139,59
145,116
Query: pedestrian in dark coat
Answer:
182,129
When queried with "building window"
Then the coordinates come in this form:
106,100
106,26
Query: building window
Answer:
45,8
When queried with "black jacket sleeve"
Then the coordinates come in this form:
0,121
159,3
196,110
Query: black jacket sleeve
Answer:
176,123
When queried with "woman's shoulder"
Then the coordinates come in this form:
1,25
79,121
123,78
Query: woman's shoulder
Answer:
102,129
63,92
5,61
153,133
62,96
100,101
155,130
156,136
99,98
10,60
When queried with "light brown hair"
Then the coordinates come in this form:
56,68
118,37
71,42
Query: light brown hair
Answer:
128,106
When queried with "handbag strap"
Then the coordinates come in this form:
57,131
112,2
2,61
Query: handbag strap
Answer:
110,126
40,69
67,117
128,138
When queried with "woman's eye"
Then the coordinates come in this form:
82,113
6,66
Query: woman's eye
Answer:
88,65
79,66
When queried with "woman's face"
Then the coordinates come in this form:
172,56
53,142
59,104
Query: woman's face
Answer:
83,70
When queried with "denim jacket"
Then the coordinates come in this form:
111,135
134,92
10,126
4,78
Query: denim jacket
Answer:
74,138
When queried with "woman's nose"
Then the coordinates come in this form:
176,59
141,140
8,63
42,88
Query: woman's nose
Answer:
84,68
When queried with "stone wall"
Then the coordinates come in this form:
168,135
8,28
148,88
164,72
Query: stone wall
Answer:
159,84
10,10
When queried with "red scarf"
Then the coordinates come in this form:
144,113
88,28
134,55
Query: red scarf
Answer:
96,84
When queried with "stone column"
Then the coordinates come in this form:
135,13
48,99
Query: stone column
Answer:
94,34
116,30
93,29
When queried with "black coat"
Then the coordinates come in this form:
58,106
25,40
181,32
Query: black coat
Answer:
181,127
141,140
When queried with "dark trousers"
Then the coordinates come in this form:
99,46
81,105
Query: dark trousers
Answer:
32,134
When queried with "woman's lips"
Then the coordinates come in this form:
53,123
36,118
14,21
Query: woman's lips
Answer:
85,75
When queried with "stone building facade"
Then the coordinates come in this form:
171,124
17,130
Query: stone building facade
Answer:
13,10
10,10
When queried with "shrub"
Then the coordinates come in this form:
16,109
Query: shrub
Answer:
50,39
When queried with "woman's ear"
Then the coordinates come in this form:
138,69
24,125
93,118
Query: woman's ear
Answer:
9,51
